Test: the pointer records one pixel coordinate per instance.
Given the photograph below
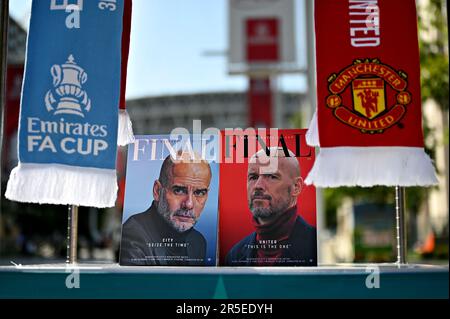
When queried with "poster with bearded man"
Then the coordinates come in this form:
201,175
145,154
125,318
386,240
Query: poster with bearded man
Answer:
267,213
171,199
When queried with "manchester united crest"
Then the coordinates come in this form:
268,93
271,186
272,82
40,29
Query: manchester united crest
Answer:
369,96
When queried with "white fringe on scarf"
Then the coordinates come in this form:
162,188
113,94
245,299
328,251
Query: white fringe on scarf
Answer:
125,134
312,135
371,166
62,185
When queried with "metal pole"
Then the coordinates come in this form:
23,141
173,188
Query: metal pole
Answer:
4,20
400,203
277,104
72,235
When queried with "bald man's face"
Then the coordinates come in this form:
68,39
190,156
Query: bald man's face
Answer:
273,192
181,202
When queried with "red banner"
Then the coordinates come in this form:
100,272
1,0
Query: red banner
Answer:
260,103
262,40
125,130
369,117
368,78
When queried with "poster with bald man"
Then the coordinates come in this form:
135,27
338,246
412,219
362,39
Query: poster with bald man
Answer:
267,213
171,201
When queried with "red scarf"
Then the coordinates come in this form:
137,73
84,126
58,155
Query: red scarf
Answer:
127,12
274,233
368,95
369,119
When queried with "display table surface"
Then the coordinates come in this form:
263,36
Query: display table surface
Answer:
113,281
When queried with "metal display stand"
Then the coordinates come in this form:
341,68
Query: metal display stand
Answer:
72,235
400,204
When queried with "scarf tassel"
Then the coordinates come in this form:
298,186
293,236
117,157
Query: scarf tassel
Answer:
125,131
371,166
62,185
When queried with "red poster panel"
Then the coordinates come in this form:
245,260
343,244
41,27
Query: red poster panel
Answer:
368,74
13,91
260,102
262,40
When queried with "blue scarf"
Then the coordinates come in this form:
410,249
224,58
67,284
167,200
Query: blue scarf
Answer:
69,107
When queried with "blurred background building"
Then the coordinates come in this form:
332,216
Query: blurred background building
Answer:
192,81
156,115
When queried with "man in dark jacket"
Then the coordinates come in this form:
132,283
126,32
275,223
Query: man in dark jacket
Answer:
282,238
164,234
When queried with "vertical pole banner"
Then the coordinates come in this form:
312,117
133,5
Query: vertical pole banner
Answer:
69,108
125,131
14,77
368,95
262,37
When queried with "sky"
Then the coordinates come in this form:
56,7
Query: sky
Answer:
169,40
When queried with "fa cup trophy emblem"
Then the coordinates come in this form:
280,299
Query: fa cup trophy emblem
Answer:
68,97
